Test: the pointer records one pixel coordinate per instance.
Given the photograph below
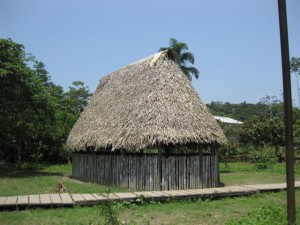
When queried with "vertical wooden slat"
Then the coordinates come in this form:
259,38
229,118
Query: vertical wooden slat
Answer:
203,171
187,172
163,172
149,180
140,170
180,174
171,168
107,165
156,183
117,170
200,152
112,169
167,181
207,169
194,171
183,172
141,173
130,171
136,171
159,167
174,173
177,174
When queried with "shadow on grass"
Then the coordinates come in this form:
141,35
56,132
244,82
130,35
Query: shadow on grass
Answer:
16,171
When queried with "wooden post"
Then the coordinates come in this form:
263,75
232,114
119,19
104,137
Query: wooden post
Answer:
288,120
159,163
200,152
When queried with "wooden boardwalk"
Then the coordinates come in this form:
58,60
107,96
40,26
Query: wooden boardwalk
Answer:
67,199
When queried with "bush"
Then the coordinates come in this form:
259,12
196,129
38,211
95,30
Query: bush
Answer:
264,158
228,151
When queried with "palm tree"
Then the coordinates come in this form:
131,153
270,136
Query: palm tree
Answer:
183,57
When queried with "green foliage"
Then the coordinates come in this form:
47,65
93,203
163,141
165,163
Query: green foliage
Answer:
295,68
264,158
242,111
270,215
295,65
109,213
268,106
262,131
230,149
262,128
36,115
183,57
296,128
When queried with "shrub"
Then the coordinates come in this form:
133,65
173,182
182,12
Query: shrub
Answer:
264,158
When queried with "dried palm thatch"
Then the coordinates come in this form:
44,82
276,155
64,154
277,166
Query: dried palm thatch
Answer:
145,104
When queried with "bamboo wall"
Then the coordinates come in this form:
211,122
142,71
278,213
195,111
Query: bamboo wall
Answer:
141,172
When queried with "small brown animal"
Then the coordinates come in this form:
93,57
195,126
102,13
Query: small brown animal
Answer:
61,187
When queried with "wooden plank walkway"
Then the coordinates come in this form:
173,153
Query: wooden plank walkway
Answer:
66,199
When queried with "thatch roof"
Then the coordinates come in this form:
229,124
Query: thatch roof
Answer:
145,104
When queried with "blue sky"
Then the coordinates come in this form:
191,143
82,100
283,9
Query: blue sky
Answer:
236,43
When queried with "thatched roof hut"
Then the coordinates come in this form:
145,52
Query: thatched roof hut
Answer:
145,104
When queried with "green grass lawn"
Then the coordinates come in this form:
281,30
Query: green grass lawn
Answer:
22,181
19,181
247,173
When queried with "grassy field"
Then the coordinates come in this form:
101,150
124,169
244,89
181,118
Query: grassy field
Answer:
17,181
23,181
247,173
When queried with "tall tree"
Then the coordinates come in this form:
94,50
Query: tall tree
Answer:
183,57
16,94
74,102
295,68
36,116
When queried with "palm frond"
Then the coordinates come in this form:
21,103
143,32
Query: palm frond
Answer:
173,42
190,71
180,48
187,57
194,71
182,57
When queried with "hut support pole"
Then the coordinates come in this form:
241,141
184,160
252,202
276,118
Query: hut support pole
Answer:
159,161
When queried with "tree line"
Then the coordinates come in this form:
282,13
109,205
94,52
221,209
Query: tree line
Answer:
261,136
36,115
